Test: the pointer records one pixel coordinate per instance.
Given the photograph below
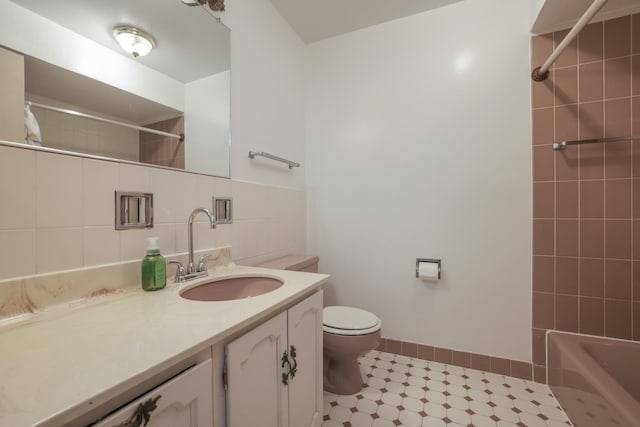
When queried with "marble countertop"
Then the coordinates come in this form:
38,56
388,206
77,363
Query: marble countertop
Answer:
64,361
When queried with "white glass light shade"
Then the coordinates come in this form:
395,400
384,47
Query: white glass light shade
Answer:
134,41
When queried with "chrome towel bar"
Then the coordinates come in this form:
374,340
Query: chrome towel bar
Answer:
253,154
562,145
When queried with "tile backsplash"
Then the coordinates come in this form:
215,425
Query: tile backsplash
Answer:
58,213
586,199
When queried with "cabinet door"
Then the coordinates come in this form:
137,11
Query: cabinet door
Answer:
305,389
256,395
184,401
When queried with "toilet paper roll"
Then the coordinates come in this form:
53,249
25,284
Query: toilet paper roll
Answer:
428,270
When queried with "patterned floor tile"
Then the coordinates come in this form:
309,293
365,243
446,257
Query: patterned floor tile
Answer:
402,391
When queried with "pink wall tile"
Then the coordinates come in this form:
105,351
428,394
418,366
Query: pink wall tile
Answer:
567,237
618,319
618,239
584,273
543,273
617,117
591,87
617,282
635,77
617,159
543,200
543,126
591,120
591,238
590,42
566,80
543,167
617,37
567,165
567,313
570,55
566,276
618,198
567,123
567,199
591,277
617,77
592,199
587,283
592,316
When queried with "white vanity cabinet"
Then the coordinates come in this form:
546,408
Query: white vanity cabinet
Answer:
262,390
184,401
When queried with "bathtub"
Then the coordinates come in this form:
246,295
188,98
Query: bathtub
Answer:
596,380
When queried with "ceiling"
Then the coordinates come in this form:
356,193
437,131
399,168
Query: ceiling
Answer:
315,20
561,14
181,32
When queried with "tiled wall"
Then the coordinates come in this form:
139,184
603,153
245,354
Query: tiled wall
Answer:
58,213
161,150
586,199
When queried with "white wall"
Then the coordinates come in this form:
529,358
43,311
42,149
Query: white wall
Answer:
206,116
267,93
418,145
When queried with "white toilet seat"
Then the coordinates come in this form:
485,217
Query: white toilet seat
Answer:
343,320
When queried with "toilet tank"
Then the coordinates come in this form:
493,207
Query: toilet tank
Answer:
293,262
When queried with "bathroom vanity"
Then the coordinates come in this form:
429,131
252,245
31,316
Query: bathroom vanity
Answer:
115,358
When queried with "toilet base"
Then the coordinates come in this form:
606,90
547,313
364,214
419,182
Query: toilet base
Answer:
342,376
341,368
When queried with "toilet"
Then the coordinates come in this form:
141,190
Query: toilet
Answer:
348,333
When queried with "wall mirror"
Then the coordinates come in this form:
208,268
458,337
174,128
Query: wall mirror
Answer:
73,64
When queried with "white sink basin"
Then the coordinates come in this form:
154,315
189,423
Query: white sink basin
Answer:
231,289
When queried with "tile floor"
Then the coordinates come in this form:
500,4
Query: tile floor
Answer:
403,391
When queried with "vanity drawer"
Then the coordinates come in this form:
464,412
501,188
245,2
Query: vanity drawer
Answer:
183,401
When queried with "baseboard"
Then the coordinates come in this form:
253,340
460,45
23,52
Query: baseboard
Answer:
482,362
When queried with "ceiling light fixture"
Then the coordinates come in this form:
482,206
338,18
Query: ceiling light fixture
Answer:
134,41
194,2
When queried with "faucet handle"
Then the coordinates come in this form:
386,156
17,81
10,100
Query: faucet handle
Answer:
201,265
180,273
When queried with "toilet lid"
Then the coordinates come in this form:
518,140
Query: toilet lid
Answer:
348,318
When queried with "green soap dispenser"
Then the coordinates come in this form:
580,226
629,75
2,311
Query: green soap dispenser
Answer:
154,267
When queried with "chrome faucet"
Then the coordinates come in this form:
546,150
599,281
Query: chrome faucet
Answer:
191,269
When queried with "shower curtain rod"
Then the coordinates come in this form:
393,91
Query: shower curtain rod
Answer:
102,119
541,73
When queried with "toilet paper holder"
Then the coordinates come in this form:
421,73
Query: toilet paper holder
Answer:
429,260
